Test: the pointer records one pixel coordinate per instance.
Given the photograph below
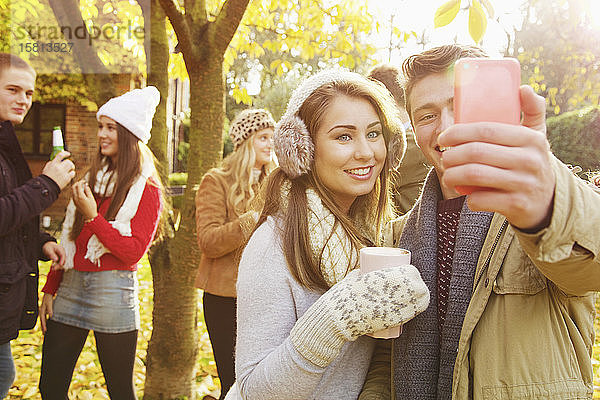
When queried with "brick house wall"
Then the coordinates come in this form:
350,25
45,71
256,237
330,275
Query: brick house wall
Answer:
81,141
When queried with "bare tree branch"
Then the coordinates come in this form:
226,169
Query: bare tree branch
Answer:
228,21
181,24
146,8
94,71
196,9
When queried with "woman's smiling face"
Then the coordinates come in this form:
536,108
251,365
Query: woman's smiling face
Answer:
108,137
350,149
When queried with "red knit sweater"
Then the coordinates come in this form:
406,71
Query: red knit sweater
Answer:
125,251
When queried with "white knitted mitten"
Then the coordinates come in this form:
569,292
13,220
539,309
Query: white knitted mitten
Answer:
357,305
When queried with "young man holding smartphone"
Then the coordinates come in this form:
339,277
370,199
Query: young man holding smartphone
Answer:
512,268
22,199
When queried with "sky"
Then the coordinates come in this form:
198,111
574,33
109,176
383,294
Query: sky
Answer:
417,15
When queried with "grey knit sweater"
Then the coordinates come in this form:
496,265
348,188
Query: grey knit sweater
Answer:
270,301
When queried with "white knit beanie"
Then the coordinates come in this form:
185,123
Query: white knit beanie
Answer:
134,110
291,141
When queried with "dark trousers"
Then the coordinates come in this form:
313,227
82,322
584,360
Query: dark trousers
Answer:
219,315
61,349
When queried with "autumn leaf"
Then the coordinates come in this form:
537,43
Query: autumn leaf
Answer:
446,13
477,21
241,96
107,8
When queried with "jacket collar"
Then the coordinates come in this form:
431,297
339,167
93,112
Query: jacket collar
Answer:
9,145
6,131
8,138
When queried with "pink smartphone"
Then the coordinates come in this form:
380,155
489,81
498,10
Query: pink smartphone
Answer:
486,90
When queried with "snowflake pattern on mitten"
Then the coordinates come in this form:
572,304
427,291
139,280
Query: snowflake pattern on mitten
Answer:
365,303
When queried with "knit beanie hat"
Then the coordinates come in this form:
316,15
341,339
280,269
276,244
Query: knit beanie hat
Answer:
247,122
291,141
134,110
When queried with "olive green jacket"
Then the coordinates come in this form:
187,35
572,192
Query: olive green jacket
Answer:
528,331
408,178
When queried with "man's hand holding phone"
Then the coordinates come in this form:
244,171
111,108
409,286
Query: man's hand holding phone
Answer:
504,167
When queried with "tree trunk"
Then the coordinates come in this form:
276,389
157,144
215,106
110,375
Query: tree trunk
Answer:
170,372
157,60
173,349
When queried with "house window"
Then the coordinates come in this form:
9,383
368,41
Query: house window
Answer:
35,133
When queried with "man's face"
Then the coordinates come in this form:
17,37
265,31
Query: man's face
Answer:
16,92
432,111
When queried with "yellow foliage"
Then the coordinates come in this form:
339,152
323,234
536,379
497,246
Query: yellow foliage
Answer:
306,29
107,8
275,64
89,11
228,58
446,13
241,95
477,21
177,66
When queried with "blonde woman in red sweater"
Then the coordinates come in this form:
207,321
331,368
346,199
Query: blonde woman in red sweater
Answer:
109,225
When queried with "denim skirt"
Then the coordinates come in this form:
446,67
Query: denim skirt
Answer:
102,301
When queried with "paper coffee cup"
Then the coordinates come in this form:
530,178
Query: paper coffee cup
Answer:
376,258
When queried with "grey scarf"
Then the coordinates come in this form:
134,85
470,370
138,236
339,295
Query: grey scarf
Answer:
423,356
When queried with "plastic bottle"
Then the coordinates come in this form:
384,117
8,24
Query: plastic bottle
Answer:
57,142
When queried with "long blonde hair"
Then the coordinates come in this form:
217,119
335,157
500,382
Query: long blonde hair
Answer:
239,165
363,223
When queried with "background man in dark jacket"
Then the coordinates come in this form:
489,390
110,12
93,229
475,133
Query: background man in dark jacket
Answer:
22,198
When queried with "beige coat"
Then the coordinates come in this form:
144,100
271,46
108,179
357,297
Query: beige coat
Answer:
221,234
528,331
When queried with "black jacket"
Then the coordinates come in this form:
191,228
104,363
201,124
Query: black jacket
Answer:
22,199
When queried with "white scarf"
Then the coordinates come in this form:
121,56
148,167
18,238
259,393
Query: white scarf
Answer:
331,238
338,256
122,222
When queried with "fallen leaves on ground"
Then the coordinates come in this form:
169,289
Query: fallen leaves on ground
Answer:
88,381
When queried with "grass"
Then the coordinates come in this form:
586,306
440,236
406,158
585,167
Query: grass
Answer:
88,381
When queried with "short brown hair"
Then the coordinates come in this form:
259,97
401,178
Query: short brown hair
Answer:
433,61
8,60
389,75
